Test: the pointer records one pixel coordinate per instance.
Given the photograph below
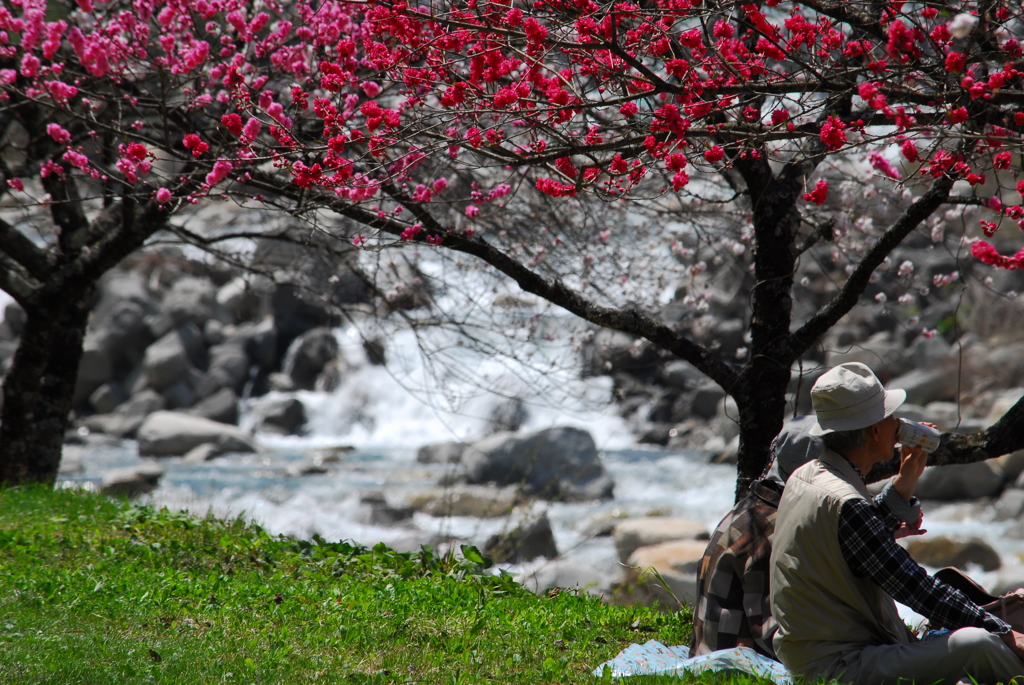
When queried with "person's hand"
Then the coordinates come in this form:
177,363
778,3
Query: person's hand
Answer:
1014,641
906,531
912,463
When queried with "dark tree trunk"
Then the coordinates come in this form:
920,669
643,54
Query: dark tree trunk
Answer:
761,391
39,388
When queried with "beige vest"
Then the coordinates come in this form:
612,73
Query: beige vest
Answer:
822,609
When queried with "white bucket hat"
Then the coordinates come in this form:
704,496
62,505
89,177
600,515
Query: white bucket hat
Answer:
849,397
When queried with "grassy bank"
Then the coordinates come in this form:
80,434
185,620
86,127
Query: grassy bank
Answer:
96,591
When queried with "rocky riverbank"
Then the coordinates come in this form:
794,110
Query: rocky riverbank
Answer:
196,362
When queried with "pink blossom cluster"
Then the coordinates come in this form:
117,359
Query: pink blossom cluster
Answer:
353,99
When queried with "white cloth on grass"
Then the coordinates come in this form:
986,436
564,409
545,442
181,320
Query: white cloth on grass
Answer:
654,658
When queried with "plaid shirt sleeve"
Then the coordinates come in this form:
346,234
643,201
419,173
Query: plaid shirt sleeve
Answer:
865,537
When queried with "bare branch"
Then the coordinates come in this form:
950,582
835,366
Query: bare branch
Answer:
844,301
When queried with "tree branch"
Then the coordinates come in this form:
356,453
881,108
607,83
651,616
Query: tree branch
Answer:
22,250
629,320
847,12
826,317
66,209
16,281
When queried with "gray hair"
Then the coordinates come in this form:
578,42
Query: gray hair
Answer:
841,441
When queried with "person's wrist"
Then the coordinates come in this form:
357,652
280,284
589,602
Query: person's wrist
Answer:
904,486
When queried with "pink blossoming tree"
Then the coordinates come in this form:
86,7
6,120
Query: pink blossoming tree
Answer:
431,123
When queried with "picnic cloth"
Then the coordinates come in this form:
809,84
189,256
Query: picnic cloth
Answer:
654,658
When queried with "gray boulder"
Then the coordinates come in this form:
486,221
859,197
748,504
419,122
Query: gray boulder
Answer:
8,348
125,420
1012,465
557,463
95,368
961,481
526,543
229,368
380,513
166,361
679,375
801,380
466,500
883,355
244,298
927,385
281,382
159,324
307,467
283,415
193,299
441,453
705,400
729,454
1003,404
118,335
1010,504
131,481
194,341
727,337
1006,363
259,340
942,551
632,534
203,453
213,332
929,353
307,356
727,416
179,396
614,352
313,280
945,415
221,406
508,415
106,397
914,412
663,574
167,434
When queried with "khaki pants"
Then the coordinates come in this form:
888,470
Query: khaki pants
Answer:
966,652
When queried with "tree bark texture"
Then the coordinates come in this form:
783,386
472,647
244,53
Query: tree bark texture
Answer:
761,391
39,388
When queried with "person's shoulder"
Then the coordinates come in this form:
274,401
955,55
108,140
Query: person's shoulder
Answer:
823,478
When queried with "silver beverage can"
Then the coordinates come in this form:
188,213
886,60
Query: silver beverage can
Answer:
913,434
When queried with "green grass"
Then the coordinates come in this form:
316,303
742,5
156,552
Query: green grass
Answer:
97,591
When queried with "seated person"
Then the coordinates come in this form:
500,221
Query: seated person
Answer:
836,570
733,609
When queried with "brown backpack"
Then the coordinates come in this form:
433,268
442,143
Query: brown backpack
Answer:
1009,607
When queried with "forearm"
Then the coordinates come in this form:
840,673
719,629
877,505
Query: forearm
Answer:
908,511
871,552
